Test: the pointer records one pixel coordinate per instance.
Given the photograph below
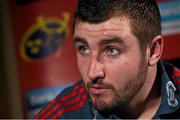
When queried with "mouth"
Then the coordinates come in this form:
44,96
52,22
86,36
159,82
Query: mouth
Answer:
97,90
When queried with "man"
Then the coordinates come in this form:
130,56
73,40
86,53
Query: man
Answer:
118,45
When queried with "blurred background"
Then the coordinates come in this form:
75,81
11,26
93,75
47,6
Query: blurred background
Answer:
36,54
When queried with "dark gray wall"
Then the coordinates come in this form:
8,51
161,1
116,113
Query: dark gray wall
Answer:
10,104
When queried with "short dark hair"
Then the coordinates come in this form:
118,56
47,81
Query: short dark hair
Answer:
144,15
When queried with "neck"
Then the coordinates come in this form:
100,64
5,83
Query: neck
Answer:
146,103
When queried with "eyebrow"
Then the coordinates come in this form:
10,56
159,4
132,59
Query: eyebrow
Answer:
79,40
102,43
108,41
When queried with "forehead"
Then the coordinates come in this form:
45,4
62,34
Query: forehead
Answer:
115,25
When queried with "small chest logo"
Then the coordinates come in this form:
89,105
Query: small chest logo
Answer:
172,101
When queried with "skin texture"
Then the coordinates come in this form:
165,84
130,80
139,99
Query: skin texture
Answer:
116,74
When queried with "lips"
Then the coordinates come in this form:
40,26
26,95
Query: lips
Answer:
96,89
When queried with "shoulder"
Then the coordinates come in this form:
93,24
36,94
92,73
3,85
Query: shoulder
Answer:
173,73
69,101
169,76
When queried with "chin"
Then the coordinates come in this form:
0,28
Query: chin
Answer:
102,103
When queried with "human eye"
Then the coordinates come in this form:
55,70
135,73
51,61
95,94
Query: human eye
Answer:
112,51
83,49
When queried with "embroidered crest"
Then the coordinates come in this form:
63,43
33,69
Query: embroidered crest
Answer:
172,101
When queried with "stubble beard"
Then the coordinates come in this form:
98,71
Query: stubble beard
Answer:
120,98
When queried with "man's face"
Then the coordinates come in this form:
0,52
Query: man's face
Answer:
110,62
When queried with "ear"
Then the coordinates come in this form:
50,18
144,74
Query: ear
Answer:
155,49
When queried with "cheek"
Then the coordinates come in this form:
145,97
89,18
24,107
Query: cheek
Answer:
82,64
119,73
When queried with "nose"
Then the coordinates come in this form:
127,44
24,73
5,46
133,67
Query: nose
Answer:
95,70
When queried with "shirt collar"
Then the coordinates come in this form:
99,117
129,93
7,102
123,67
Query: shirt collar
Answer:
169,102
